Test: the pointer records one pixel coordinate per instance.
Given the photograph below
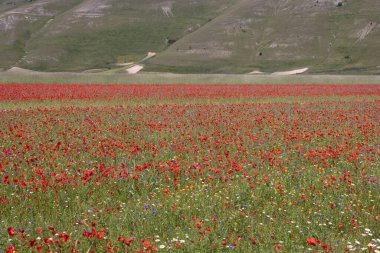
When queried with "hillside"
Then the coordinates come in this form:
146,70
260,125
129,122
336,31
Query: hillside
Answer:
213,36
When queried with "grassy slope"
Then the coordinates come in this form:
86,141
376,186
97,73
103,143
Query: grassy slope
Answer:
88,36
288,34
19,23
76,35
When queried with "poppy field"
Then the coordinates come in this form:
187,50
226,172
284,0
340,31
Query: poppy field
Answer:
189,168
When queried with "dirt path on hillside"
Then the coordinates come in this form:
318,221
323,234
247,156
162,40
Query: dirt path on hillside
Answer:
291,72
135,69
363,33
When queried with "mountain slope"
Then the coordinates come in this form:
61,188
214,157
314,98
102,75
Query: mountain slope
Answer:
98,33
217,36
275,35
19,20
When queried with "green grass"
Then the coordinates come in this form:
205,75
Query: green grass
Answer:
165,78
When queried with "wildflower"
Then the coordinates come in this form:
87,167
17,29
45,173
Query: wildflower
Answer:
277,247
128,241
146,244
11,248
312,241
64,237
11,231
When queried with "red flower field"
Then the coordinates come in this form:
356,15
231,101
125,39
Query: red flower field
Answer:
174,92
189,168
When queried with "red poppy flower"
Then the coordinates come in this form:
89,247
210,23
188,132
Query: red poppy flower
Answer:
146,244
11,231
128,241
312,241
